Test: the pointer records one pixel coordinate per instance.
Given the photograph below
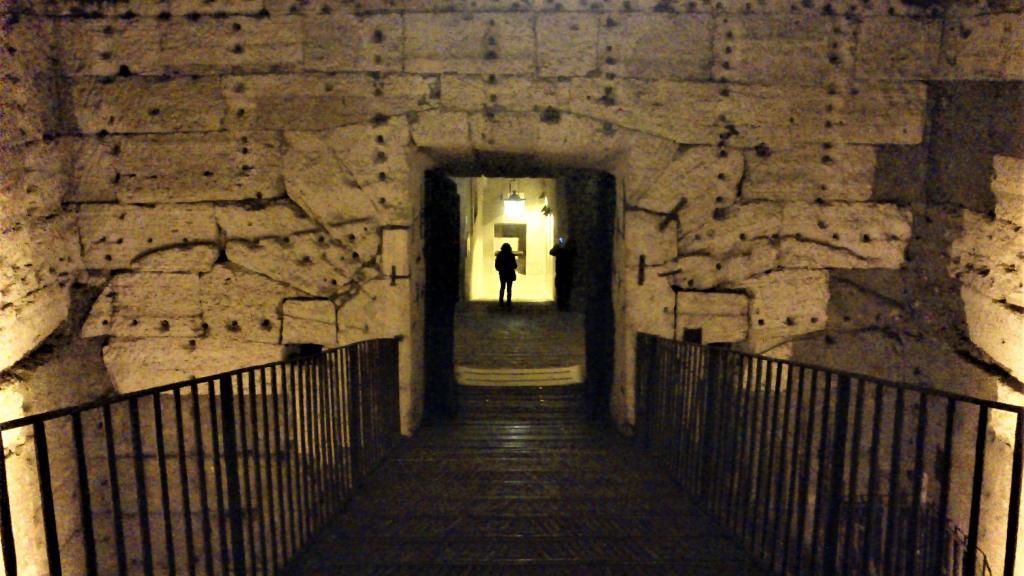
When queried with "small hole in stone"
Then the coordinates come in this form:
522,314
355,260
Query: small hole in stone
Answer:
760,321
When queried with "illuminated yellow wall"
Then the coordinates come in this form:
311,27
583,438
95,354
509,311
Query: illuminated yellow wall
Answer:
487,195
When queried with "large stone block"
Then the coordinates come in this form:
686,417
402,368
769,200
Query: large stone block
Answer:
313,263
997,329
147,305
241,305
642,162
732,231
26,322
505,132
1008,186
898,48
703,272
469,43
651,236
685,112
373,152
163,168
650,307
844,235
720,316
114,236
790,49
26,100
37,254
140,364
576,141
985,47
345,42
699,181
377,310
235,44
810,172
317,179
33,182
248,222
141,104
989,256
442,131
785,305
191,258
660,46
506,93
78,9
309,322
880,113
566,44
101,47
320,102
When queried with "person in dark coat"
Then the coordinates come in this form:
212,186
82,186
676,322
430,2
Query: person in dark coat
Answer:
565,262
505,264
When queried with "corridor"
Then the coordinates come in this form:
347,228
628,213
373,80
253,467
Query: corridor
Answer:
521,485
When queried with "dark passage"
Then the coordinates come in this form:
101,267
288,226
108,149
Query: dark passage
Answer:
522,484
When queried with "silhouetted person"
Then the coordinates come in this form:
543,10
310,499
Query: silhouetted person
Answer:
505,264
565,262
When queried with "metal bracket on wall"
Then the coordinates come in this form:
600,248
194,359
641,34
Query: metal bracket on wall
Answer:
395,277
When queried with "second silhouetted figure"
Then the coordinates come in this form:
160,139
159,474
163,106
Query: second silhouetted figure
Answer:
505,264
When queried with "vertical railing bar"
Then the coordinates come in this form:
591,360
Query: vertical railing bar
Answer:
289,390
231,472
165,488
851,498
722,423
677,395
46,498
736,480
835,485
7,546
346,441
206,523
780,481
794,474
971,554
141,495
752,478
308,462
257,472
301,485
269,459
918,483
743,479
115,492
334,416
183,478
891,538
242,462
1013,508
84,495
280,456
312,385
762,448
355,433
770,472
819,489
222,520
805,480
945,479
867,552
320,420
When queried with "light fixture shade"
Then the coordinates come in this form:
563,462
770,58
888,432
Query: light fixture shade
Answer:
515,206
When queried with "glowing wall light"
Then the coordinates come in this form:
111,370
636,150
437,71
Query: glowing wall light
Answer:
515,205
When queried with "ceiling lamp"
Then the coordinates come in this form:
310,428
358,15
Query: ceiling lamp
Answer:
515,205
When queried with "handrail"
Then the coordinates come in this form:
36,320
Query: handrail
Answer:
224,474
821,471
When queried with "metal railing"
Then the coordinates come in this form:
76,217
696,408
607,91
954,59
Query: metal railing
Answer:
819,471
227,474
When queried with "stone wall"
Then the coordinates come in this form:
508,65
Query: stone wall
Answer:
240,170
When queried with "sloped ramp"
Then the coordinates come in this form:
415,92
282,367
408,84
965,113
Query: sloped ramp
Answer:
513,377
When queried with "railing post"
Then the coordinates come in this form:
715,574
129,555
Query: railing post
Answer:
835,484
355,412
228,427
708,439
